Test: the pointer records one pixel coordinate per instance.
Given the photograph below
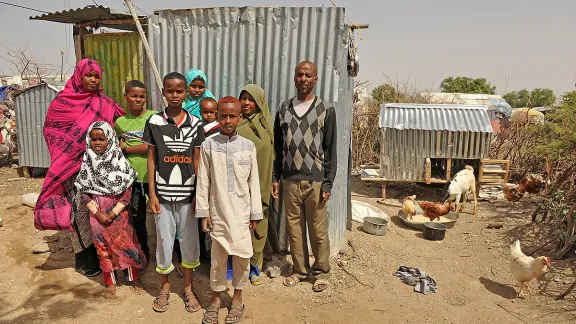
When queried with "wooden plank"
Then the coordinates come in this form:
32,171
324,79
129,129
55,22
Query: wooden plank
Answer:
507,171
448,168
481,171
428,170
383,190
494,172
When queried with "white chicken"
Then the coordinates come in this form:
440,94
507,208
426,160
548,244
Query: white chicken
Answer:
525,268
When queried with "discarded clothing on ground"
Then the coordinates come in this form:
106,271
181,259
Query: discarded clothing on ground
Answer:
421,281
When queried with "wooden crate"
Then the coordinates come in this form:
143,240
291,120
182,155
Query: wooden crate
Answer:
493,171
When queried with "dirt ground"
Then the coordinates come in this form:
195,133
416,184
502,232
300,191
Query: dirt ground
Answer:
470,267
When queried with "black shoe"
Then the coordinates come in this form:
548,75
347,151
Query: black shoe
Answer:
89,273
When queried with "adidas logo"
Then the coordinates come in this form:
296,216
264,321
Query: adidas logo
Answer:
178,159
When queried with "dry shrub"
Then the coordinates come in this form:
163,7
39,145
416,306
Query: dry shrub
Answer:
548,149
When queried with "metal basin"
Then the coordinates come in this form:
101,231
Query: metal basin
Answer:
375,225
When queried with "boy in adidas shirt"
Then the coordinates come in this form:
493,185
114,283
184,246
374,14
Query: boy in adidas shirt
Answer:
174,138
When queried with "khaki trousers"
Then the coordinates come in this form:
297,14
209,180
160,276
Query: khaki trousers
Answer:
219,267
303,210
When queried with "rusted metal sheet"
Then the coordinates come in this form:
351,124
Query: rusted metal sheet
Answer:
238,46
120,56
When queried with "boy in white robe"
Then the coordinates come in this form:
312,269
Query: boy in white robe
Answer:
228,200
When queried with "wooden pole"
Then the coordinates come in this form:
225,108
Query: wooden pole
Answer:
146,48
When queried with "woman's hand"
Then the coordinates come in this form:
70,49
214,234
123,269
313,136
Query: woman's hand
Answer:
206,224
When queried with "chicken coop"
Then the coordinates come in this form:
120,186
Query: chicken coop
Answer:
430,143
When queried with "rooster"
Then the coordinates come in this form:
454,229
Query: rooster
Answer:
525,268
432,210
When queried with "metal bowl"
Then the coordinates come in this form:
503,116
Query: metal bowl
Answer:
434,231
453,216
375,225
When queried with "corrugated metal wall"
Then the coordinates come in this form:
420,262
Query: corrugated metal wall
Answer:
120,56
237,46
31,108
404,152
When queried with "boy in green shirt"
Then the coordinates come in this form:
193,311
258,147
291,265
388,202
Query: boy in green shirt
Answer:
129,129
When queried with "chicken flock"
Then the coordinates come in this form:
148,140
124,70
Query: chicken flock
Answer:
524,268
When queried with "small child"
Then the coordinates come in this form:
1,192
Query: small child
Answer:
196,88
229,203
174,139
129,129
208,111
105,180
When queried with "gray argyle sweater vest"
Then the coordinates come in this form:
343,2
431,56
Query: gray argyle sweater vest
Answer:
307,144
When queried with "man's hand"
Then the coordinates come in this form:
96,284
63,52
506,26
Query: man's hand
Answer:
101,218
275,190
155,205
254,224
207,224
325,198
122,145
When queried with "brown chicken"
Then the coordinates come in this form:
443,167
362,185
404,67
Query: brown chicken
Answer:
432,210
531,184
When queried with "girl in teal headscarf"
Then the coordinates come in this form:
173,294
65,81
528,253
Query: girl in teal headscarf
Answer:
196,84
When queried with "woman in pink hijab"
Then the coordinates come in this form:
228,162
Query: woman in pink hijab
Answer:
69,116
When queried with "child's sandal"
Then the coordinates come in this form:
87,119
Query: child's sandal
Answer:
161,307
210,316
236,317
191,307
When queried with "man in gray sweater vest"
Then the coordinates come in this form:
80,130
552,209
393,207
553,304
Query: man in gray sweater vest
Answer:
305,148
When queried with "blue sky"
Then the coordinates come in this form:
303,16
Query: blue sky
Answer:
515,44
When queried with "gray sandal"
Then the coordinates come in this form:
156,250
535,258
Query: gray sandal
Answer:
238,316
210,319
161,307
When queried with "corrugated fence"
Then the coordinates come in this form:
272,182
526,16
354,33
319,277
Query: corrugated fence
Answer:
120,56
31,108
238,46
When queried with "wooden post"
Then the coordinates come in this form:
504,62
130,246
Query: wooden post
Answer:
448,168
383,190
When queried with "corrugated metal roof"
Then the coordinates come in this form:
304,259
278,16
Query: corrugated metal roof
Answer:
435,117
56,87
236,46
89,14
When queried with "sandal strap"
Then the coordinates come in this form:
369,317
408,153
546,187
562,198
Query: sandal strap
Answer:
237,307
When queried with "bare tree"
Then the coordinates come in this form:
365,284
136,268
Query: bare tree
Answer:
24,64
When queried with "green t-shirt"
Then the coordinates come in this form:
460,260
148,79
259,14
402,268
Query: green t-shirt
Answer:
131,129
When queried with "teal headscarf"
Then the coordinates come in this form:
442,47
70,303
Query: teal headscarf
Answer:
190,104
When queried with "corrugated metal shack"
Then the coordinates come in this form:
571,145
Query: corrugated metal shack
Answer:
31,107
263,45
430,143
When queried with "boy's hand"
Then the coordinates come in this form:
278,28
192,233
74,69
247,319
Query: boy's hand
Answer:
254,224
101,218
275,190
155,205
207,224
122,144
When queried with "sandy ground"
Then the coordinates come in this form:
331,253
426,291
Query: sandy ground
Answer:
470,266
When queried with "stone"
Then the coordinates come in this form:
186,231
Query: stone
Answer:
41,248
273,271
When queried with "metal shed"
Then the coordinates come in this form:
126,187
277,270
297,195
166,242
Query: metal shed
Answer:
236,46
31,107
430,143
